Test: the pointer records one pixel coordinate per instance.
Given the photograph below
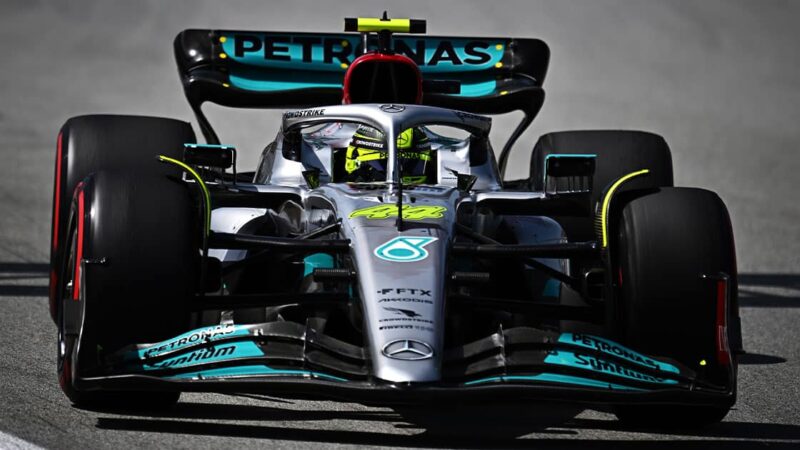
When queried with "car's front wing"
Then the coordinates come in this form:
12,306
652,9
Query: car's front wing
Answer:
290,360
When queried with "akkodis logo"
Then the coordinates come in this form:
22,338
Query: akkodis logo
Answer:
404,249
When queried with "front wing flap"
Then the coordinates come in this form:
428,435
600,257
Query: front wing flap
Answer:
289,359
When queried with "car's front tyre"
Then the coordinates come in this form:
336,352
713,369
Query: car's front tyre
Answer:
130,269
676,267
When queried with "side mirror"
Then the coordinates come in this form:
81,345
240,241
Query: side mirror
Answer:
292,144
206,155
478,150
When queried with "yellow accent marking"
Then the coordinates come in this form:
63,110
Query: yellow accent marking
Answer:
415,179
498,47
223,55
376,24
343,65
206,194
703,362
498,65
345,43
607,201
404,139
226,85
503,92
222,39
410,212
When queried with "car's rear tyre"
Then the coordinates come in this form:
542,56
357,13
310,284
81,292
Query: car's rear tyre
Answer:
94,143
673,247
619,152
137,235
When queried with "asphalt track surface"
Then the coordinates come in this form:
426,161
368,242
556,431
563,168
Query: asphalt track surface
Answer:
720,80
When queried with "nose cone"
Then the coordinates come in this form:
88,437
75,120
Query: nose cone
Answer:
401,286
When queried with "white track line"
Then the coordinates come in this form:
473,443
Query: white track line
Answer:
9,442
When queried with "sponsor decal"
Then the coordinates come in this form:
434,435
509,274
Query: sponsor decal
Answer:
606,346
404,249
587,362
304,113
405,300
401,311
407,315
365,143
334,50
405,327
405,319
193,337
410,291
408,350
464,116
410,212
208,355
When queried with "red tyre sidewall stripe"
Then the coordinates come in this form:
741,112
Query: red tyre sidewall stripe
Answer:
56,219
57,199
76,281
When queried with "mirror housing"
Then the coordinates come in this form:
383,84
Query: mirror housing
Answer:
292,143
206,155
568,173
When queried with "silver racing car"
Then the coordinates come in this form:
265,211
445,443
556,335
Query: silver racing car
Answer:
377,254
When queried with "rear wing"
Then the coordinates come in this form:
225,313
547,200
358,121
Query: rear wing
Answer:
248,69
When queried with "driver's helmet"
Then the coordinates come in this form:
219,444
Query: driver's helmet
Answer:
385,78
367,155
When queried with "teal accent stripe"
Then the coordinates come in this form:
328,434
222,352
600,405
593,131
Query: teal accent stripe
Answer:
570,155
253,370
478,89
251,84
317,261
555,378
552,288
190,145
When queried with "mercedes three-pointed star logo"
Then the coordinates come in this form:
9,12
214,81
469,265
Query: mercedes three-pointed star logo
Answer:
408,350
391,108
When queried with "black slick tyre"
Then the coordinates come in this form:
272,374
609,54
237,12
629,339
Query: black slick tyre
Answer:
619,152
674,249
138,239
93,143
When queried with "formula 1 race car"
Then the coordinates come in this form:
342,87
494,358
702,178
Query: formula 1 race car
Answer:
377,254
